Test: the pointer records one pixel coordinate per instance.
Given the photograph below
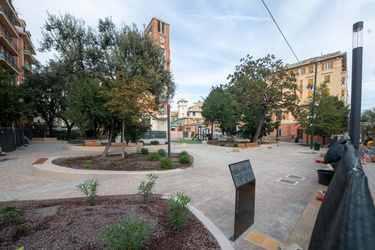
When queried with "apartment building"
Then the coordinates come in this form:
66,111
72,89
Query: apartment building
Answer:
16,47
331,69
158,30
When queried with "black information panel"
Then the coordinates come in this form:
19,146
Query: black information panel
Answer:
244,181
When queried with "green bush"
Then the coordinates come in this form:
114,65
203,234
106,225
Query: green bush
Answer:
235,144
184,159
68,160
155,142
87,166
129,234
162,152
154,157
89,162
166,163
112,163
183,153
145,188
119,168
144,151
11,215
179,213
125,155
222,144
88,157
144,167
90,189
104,159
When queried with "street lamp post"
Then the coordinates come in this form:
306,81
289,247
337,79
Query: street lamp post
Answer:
355,111
169,126
313,107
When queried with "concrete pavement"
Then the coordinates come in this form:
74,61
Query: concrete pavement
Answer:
278,204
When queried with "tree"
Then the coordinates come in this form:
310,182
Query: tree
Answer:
129,99
12,107
331,114
368,121
251,118
220,108
264,85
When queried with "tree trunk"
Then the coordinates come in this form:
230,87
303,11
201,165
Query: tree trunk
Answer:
105,153
259,128
122,137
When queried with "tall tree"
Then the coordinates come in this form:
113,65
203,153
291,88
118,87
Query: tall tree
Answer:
263,83
129,99
12,107
368,120
220,108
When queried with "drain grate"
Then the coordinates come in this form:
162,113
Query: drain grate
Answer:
292,176
291,182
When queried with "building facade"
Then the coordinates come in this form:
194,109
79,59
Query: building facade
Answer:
158,30
16,47
331,70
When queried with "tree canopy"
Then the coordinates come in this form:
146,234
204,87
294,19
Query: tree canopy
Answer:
263,85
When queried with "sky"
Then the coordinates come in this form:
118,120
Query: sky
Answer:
209,37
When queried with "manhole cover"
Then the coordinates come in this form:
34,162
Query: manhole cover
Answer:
292,176
291,182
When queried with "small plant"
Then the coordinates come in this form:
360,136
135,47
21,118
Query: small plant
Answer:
11,214
112,163
166,163
126,160
144,167
179,213
88,157
68,160
90,189
119,168
87,166
129,234
162,153
222,144
135,163
184,159
145,188
235,144
155,142
183,153
144,151
104,159
166,142
154,157
89,162
125,155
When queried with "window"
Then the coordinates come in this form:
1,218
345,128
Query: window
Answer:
311,68
299,133
278,132
161,27
301,83
342,92
327,78
300,95
310,83
193,113
310,94
327,65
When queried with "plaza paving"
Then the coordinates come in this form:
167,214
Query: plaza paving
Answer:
278,204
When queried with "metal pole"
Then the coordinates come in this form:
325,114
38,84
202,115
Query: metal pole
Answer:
355,111
169,128
313,107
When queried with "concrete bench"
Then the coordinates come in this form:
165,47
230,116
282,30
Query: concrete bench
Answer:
93,144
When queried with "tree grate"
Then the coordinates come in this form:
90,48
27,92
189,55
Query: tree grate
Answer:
292,176
291,182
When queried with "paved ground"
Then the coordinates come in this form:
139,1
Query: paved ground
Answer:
278,204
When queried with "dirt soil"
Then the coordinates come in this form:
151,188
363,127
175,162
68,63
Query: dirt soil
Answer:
132,162
77,225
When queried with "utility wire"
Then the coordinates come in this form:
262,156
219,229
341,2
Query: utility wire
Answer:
281,32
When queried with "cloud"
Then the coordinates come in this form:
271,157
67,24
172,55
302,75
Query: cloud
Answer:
236,18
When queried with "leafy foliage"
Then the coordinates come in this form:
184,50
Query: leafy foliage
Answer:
145,188
263,85
129,234
90,189
166,163
184,159
179,213
162,153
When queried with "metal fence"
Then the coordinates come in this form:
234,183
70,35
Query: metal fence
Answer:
10,139
155,134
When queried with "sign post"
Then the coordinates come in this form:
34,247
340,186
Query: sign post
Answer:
244,181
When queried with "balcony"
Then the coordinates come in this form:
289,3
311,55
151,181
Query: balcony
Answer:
29,56
27,67
8,23
7,42
8,63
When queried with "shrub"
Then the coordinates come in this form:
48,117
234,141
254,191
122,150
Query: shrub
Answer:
166,142
183,153
68,160
125,155
104,159
119,168
126,160
179,213
222,144
154,157
184,159
145,188
87,166
11,215
135,163
166,163
88,157
162,152
144,151
129,234
144,167
155,142
112,163
89,162
90,189
235,144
